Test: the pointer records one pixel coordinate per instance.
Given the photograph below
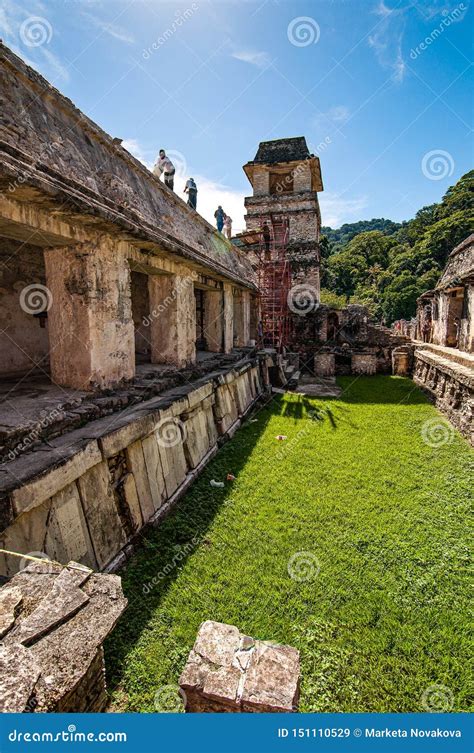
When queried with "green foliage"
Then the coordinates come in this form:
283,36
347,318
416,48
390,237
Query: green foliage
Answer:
388,613
387,265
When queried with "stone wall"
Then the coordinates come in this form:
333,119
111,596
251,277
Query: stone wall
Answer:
88,494
449,383
53,622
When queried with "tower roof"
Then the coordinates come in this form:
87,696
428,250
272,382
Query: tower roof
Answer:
285,152
282,150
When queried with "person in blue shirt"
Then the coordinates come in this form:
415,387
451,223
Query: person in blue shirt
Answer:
219,214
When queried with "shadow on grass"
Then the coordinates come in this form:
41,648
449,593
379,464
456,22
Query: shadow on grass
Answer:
164,550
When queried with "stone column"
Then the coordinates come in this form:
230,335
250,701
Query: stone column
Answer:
172,319
242,318
213,320
228,317
90,319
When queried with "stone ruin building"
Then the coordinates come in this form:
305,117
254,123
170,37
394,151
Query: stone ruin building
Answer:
441,355
132,349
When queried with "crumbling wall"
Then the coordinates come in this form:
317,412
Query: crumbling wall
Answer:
96,487
54,622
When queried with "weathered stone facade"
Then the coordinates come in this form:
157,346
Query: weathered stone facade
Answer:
286,178
87,493
445,315
229,672
80,216
443,350
342,341
54,621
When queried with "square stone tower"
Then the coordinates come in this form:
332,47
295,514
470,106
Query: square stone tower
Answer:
286,179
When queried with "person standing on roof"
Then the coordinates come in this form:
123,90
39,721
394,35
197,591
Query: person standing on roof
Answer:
191,189
165,167
219,214
228,226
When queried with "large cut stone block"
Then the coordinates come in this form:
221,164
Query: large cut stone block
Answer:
100,509
227,671
42,487
67,535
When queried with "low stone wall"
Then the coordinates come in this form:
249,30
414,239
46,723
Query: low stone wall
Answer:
86,495
450,384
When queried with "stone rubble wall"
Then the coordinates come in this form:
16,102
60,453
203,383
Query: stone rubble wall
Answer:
90,492
53,623
450,385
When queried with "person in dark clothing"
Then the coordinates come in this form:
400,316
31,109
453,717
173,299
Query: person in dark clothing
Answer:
191,190
219,214
266,239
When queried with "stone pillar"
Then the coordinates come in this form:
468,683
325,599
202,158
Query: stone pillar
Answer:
172,319
228,671
242,318
228,317
213,320
90,319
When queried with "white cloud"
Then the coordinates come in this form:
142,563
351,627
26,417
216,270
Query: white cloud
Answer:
210,193
117,32
260,59
335,211
54,64
387,39
132,146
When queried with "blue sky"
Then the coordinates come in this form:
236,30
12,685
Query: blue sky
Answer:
381,90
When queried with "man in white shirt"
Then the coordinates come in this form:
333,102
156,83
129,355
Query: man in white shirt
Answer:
165,166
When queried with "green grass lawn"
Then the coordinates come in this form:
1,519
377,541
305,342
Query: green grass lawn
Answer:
384,517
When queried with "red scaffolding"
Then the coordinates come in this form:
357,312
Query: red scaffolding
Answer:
274,284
